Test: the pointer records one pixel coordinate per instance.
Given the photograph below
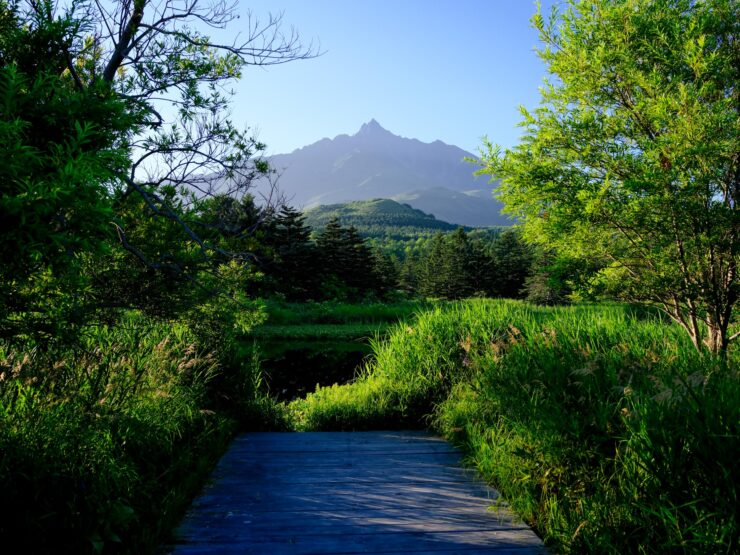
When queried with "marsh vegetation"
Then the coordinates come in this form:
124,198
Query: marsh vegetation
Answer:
151,307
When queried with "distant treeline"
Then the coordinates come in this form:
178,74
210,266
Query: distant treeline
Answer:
378,218
338,261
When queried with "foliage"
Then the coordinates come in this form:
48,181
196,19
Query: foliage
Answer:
62,148
86,433
378,218
347,262
116,128
294,265
456,266
631,159
115,134
601,425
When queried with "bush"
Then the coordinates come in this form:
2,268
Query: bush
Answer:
103,445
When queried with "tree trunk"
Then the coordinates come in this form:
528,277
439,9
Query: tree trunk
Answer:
716,339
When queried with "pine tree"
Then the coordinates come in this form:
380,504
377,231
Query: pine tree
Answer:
295,267
513,260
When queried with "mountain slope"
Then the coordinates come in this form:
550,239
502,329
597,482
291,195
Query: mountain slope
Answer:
476,208
378,217
375,163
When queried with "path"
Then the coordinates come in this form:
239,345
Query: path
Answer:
349,492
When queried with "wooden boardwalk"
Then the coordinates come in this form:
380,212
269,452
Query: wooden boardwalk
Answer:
349,492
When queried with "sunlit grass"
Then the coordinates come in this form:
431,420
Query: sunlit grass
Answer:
103,444
601,424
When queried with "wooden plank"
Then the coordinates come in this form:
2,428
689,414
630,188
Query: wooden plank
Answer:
230,549
356,492
345,522
337,510
398,542
364,441
311,475
369,495
374,460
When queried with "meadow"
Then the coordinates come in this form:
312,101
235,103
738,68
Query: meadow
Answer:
305,344
601,424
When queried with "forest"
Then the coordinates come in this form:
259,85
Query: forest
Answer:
152,306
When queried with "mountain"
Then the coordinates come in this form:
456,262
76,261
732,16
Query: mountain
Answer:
378,218
476,208
374,163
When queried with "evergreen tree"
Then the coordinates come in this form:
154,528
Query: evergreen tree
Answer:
431,268
408,275
457,267
330,243
513,260
386,273
347,261
294,268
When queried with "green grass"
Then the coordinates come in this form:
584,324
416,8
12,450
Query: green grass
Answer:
602,425
320,332
102,446
300,314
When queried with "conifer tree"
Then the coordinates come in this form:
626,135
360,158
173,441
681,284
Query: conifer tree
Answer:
512,259
294,267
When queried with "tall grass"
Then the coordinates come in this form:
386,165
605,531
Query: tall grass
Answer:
288,314
602,425
102,445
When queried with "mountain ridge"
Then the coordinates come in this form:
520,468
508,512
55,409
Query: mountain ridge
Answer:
375,163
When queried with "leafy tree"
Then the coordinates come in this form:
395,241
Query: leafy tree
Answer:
512,259
63,147
152,55
631,160
110,109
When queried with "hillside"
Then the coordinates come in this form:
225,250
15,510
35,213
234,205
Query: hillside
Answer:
378,218
475,208
374,163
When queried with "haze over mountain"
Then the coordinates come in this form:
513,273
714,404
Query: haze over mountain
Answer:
374,163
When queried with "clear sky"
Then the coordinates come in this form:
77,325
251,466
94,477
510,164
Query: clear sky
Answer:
426,69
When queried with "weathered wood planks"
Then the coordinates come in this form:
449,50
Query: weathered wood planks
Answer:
348,492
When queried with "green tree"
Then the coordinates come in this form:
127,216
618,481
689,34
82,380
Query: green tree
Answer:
295,266
108,109
347,261
546,283
386,273
63,148
431,269
512,259
631,160
454,267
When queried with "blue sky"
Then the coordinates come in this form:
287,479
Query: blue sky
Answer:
427,69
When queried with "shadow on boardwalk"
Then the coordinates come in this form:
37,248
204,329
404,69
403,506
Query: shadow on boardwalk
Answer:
348,492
